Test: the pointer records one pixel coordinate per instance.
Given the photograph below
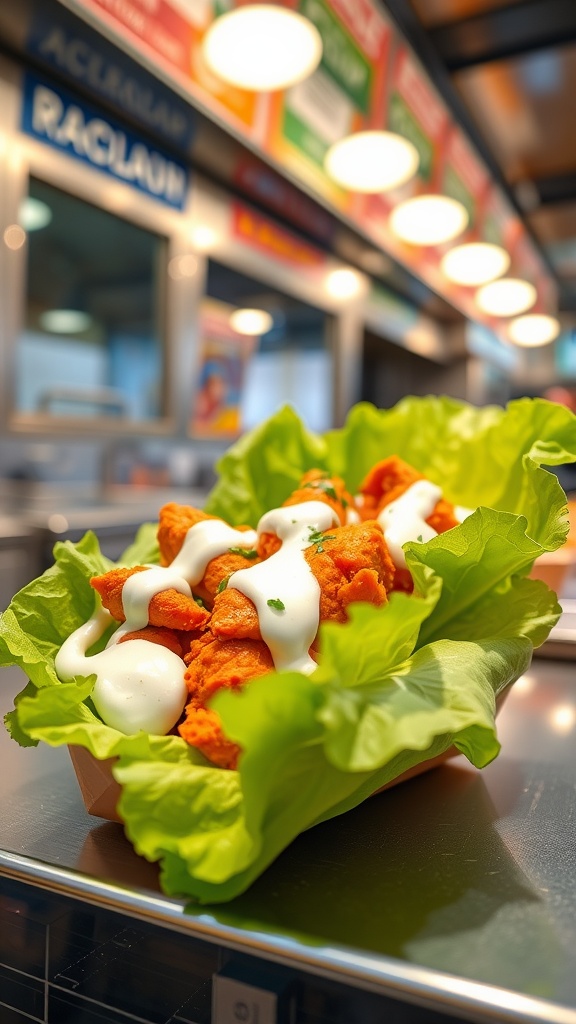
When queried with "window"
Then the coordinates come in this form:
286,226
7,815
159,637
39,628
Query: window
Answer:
245,378
92,342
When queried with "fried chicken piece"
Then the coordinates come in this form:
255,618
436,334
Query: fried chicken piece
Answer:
167,608
315,485
169,638
174,522
387,481
202,729
213,665
345,552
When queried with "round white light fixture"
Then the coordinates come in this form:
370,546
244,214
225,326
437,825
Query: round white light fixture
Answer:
65,321
371,161
533,330
507,297
262,47
475,263
343,283
34,214
428,219
203,237
251,321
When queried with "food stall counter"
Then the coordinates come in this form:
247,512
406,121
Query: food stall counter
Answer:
452,895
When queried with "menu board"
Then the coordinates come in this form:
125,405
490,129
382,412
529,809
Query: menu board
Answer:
368,78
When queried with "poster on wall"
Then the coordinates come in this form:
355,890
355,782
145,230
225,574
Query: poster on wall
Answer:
224,356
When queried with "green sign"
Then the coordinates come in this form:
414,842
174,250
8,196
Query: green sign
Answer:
341,57
403,122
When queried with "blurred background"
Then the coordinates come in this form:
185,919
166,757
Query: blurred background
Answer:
208,210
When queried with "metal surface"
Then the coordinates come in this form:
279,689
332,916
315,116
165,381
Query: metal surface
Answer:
456,890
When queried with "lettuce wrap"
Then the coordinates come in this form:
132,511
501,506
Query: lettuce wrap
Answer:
396,685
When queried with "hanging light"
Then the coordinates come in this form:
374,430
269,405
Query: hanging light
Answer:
251,321
507,297
373,161
343,283
428,219
475,263
533,330
262,47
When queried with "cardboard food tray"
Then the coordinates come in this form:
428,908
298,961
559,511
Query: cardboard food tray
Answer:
101,792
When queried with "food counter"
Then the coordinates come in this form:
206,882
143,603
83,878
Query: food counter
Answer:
452,896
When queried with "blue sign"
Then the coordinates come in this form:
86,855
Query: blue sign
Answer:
64,122
83,56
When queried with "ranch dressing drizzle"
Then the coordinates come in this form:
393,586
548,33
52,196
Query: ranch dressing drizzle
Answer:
203,542
139,685
405,519
287,580
461,512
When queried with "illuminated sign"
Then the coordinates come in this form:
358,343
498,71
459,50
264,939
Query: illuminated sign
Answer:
62,121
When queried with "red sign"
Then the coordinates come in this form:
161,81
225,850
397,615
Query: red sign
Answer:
261,233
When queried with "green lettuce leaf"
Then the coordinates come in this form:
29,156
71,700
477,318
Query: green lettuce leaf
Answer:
397,685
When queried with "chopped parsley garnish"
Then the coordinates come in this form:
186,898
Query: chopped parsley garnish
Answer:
419,538
317,537
199,601
223,584
275,602
249,553
325,486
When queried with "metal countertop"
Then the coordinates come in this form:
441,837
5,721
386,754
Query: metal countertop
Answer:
456,890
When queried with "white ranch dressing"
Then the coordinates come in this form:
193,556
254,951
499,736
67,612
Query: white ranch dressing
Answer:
207,540
405,519
461,512
289,629
139,685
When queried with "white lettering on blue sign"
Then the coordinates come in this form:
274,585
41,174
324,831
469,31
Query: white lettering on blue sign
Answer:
65,124
81,61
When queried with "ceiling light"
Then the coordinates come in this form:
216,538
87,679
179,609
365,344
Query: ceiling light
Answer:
203,237
428,219
343,283
65,321
372,161
262,47
507,297
475,263
34,214
533,330
251,321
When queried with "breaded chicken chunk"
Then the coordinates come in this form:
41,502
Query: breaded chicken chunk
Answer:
387,481
212,666
315,485
175,521
168,608
351,563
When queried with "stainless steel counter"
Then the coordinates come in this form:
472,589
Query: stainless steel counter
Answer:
454,893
